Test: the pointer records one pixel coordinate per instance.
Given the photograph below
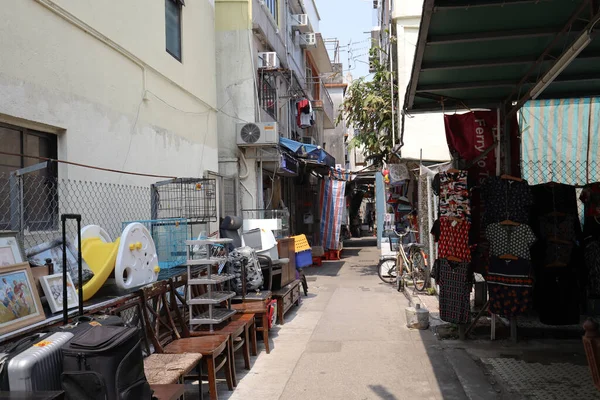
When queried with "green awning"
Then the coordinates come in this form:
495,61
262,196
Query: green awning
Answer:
484,53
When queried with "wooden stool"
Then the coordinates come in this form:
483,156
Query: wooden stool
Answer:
259,308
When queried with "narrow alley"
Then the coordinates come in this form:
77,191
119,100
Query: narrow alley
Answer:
349,340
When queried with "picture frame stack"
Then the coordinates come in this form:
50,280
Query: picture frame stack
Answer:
20,303
20,299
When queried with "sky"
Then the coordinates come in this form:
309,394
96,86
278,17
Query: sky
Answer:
350,21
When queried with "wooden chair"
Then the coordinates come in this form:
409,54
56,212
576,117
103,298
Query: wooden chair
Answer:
257,309
166,338
160,369
236,331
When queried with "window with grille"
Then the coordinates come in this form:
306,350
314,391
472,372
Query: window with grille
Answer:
268,95
37,210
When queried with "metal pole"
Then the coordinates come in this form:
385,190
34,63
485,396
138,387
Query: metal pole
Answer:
392,83
429,217
498,142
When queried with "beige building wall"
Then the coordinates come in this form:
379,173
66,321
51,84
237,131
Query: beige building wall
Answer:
97,74
424,131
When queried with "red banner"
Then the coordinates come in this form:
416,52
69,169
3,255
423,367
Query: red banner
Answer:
471,134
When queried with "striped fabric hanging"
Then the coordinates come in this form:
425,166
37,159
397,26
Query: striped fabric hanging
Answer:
560,141
332,208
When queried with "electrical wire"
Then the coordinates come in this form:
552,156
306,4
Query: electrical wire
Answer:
85,165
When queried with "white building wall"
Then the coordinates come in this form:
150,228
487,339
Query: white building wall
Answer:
423,131
153,114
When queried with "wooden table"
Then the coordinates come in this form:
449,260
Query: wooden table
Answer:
286,297
168,392
259,308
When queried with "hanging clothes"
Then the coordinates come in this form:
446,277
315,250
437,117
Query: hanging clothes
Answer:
508,239
453,190
510,286
304,114
455,282
454,239
506,199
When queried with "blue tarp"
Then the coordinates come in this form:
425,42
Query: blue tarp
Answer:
309,151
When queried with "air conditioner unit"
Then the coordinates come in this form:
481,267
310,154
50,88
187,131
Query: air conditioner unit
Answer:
268,60
257,134
308,40
308,140
300,23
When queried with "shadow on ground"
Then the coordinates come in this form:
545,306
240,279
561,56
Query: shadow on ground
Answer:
329,268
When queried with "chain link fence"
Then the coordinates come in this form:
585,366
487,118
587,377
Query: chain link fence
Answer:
31,205
575,173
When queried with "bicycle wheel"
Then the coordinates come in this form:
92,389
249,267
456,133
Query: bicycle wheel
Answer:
386,269
419,274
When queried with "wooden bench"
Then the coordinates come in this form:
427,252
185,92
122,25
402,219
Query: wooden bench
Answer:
286,297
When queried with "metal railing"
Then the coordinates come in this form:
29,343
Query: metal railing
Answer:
327,103
267,95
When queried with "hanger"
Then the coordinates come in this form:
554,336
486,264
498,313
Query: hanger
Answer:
558,241
556,264
511,178
455,259
452,171
509,257
508,222
557,214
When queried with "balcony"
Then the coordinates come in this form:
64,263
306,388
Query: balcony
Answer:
323,102
329,121
265,24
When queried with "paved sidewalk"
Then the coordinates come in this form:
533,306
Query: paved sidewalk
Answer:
348,340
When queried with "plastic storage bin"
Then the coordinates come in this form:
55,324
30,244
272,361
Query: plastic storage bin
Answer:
304,259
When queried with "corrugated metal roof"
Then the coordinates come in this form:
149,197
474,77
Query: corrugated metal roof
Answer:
484,53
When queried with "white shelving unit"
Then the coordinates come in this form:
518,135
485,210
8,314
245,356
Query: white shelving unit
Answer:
211,298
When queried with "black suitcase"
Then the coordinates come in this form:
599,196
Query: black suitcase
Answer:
105,362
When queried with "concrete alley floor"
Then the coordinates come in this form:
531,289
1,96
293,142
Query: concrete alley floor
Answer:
349,340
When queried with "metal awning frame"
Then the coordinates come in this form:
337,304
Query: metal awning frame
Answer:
576,23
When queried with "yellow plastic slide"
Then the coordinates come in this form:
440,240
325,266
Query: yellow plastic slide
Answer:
101,257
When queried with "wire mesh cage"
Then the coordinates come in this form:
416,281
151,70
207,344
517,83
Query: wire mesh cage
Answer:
169,237
193,199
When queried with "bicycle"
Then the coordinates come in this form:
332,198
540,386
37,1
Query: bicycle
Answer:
412,264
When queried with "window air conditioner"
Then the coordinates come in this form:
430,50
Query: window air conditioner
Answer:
308,40
308,140
268,60
300,23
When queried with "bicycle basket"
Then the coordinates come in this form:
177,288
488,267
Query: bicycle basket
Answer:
394,243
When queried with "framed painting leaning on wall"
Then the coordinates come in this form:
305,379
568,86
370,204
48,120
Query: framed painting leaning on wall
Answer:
20,303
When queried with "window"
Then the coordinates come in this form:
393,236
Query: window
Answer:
272,7
39,187
268,94
173,27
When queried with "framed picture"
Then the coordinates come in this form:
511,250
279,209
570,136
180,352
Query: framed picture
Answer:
10,251
20,304
53,289
52,250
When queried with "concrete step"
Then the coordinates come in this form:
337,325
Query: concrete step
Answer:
472,377
361,242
